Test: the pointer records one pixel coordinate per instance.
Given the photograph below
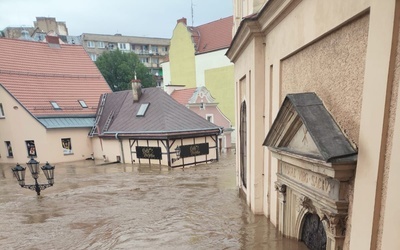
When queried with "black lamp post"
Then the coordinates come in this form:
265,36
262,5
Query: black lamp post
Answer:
178,154
33,165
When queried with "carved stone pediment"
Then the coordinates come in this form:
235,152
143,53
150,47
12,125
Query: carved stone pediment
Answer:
303,126
315,163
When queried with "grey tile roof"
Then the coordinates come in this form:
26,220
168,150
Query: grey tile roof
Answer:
164,117
332,144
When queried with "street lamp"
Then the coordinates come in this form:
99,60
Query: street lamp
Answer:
178,154
33,165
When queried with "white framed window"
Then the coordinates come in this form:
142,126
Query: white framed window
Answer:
83,103
210,117
90,44
123,46
1,111
101,45
93,56
55,105
202,106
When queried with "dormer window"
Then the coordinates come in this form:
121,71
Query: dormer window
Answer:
142,110
55,105
83,104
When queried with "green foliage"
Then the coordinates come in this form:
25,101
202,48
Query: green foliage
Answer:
119,68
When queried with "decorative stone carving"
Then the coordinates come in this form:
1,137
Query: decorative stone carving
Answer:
336,223
281,188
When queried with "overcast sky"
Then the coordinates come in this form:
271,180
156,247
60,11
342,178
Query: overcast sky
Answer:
150,18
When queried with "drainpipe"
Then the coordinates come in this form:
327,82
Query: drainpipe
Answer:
122,147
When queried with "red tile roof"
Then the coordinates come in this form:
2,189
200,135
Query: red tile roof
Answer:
36,73
213,36
183,95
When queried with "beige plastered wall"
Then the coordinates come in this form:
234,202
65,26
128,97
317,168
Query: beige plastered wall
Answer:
19,125
333,68
291,30
304,52
390,206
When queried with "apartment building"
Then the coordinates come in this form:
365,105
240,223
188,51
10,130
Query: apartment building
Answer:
151,51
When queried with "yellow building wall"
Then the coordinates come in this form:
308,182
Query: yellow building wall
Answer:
220,83
182,58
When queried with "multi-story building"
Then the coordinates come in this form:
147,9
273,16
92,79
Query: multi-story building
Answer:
151,51
317,83
197,59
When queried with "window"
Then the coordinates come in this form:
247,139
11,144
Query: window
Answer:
210,118
110,46
144,59
1,111
30,146
202,106
142,110
123,46
101,45
154,49
243,144
90,44
82,103
55,105
9,149
154,60
93,56
66,145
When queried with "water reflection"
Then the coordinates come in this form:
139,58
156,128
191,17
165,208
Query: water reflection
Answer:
123,206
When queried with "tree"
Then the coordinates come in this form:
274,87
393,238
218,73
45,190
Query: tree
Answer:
119,68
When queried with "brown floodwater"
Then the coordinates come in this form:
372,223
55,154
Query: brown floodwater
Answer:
124,206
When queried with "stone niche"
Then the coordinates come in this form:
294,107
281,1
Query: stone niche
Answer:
315,163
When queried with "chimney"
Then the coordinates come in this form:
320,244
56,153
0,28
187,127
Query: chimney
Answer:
52,39
136,89
182,20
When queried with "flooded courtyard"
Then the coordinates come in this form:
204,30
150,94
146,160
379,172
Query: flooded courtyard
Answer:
124,206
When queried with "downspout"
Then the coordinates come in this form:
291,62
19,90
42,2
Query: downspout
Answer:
122,147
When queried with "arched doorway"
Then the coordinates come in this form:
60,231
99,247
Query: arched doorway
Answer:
243,144
313,233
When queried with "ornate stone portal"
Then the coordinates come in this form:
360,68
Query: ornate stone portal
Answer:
315,164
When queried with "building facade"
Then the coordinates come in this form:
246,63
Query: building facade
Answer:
200,101
197,59
148,126
48,100
347,55
151,51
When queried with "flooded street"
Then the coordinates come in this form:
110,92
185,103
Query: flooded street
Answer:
124,206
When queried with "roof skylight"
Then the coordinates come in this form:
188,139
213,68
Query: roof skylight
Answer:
83,103
55,105
142,110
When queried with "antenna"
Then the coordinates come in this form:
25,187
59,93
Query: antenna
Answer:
192,12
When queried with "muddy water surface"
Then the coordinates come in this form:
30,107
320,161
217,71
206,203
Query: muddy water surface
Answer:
124,206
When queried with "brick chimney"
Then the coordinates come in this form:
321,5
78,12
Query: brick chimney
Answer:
136,89
182,20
